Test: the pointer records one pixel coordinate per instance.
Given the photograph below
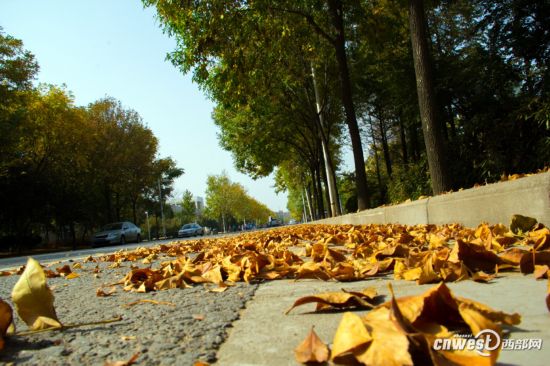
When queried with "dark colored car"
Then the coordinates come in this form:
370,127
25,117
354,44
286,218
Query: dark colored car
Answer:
190,230
117,233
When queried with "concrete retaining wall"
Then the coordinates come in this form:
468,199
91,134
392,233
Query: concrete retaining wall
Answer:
493,203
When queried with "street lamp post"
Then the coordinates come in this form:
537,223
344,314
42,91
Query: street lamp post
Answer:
162,212
148,228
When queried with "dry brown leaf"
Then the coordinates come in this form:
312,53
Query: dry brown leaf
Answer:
340,300
129,362
101,293
64,271
530,259
312,349
198,316
149,301
33,298
6,320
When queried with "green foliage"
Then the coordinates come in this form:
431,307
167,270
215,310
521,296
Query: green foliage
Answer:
188,210
65,168
228,202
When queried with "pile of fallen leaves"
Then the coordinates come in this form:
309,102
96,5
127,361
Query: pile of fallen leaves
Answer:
403,331
421,253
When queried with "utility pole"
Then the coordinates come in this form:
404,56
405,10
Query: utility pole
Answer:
161,212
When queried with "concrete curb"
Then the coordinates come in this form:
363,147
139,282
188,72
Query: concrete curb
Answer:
493,203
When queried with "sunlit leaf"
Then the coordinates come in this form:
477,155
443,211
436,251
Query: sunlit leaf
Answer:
312,349
33,299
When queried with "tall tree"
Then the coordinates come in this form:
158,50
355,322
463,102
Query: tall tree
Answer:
427,101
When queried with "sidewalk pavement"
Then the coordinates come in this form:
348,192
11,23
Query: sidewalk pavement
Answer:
264,335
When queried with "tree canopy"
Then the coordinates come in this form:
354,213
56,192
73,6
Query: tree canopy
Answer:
65,169
484,113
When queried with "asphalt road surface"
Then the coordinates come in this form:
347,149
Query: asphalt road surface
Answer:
173,327
7,263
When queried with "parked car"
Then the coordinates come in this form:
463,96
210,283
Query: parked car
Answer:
117,233
190,230
273,222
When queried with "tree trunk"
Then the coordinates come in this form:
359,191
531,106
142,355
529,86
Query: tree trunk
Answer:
433,136
403,142
309,205
320,205
334,207
377,165
323,173
335,8
414,145
385,147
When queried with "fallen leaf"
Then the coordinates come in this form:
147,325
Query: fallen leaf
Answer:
72,275
529,259
350,336
128,338
312,349
129,362
198,316
6,320
541,272
521,223
33,298
149,301
100,293
340,300
64,271
77,266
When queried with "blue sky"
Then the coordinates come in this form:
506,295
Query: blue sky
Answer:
116,48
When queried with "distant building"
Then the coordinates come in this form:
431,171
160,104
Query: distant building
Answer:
284,216
199,205
176,208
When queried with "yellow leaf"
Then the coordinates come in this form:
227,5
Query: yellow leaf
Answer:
350,335
72,275
33,298
312,349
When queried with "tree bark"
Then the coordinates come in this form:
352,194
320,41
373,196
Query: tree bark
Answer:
385,147
334,207
320,204
335,9
323,172
431,127
377,165
403,142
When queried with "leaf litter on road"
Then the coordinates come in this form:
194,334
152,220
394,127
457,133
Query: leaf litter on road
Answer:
421,253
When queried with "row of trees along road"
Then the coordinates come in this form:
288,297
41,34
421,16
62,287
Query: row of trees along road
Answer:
229,204
66,169
294,81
